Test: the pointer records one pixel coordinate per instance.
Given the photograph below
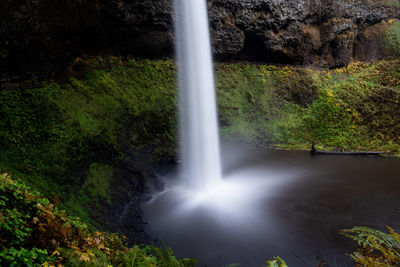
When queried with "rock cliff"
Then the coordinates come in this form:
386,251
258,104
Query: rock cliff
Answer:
44,36
324,33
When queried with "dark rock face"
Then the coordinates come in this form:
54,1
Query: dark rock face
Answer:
141,28
41,35
44,36
369,43
131,188
135,180
306,32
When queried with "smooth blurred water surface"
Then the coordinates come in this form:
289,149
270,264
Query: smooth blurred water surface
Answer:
277,203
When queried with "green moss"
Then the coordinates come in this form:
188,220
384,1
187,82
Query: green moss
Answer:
97,184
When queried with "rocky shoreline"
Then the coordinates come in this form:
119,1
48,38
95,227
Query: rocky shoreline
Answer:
136,180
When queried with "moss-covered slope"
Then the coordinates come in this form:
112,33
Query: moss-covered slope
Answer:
68,139
353,108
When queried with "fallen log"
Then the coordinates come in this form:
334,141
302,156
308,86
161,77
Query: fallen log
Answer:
348,153
345,153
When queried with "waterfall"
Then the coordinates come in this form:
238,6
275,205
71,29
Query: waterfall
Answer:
200,151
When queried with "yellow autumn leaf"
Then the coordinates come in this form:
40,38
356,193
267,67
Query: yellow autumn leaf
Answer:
56,252
84,257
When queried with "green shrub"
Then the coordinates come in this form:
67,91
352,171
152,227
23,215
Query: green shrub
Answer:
392,39
327,121
23,257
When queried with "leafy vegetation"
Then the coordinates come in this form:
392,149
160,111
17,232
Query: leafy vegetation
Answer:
276,262
35,232
375,247
66,139
392,38
353,108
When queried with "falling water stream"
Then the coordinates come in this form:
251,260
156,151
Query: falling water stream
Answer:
199,128
201,183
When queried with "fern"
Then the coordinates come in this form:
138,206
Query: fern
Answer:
376,248
276,262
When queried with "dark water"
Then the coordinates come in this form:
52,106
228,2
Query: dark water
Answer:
304,203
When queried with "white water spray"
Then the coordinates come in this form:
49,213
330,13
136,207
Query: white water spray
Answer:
200,149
